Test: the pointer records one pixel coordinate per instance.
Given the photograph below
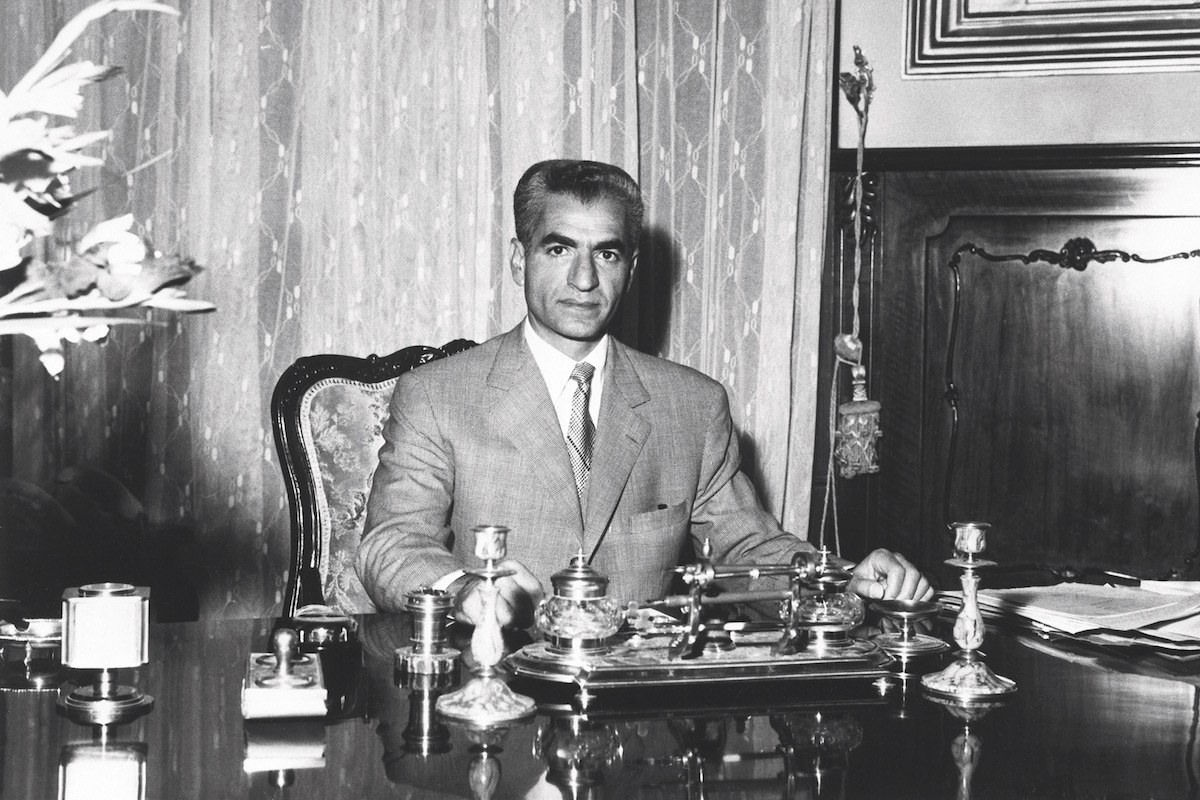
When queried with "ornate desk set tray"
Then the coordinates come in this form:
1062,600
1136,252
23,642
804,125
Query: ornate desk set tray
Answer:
635,660
592,645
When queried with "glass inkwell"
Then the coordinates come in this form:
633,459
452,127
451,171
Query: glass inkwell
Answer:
828,612
579,617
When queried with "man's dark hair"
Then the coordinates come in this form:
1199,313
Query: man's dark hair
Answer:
586,181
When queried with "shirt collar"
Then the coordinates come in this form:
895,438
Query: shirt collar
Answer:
556,366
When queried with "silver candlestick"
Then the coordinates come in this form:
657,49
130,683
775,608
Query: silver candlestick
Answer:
486,699
968,677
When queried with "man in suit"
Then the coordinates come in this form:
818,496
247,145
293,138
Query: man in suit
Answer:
622,459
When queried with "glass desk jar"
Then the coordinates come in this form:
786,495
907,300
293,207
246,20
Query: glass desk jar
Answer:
579,617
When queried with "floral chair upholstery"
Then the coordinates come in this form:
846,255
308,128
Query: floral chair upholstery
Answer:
328,413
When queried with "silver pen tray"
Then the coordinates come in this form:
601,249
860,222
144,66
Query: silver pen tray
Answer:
635,661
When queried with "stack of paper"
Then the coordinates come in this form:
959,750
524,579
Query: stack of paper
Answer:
1163,615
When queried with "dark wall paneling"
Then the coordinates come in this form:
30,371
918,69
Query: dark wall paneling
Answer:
1078,389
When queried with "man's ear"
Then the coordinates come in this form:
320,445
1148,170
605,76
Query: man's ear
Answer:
633,262
516,261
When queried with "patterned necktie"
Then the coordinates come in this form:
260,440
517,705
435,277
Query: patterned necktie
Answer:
581,430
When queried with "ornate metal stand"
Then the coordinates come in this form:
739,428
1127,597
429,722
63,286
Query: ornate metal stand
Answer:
967,677
486,699
907,641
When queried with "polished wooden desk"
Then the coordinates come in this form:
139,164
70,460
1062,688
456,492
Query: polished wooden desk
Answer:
1073,729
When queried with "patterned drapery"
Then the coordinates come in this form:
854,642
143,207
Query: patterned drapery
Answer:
343,169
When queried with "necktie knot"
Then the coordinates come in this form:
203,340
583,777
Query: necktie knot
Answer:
582,374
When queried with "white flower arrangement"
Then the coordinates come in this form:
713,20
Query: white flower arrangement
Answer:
110,269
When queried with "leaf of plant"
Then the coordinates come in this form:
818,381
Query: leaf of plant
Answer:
850,87
169,301
160,271
65,279
60,92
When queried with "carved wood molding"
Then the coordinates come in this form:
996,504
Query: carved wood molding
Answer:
1076,254
1018,157
844,204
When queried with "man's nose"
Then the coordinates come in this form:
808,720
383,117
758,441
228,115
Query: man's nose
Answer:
582,276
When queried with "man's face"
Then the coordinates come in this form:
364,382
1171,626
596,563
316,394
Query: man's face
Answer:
575,270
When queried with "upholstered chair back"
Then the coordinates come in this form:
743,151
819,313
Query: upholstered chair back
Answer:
327,413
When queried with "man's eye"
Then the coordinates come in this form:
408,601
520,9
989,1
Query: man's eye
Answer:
557,250
608,255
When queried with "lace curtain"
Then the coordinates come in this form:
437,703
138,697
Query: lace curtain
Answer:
344,169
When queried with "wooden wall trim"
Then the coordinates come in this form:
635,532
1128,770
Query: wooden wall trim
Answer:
900,159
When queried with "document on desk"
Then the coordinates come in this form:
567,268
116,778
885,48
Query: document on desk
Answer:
1077,607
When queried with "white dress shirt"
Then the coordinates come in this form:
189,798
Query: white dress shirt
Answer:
556,370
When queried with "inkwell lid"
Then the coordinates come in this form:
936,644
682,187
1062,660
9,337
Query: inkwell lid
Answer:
830,575
578,581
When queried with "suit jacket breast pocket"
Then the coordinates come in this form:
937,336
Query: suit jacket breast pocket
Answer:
660,520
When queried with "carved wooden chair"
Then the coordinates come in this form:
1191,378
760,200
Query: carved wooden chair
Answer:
327,413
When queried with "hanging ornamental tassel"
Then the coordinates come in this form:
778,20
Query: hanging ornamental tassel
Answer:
857,430
853,426
858,420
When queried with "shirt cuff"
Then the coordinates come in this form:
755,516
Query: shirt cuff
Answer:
443,583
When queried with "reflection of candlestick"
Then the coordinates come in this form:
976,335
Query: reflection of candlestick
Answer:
483,773
966,747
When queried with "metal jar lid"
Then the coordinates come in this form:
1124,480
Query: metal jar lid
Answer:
579,581
831,576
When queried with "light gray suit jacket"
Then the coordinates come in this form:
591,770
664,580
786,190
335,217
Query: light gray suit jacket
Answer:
473,440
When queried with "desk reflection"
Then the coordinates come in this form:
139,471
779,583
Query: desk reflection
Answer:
1080,726
614,753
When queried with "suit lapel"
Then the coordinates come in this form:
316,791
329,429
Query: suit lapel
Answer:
524,414
621,433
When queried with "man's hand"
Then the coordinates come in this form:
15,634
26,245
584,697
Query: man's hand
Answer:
884,575
519,595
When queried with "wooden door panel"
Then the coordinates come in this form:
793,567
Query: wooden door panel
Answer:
1078,389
